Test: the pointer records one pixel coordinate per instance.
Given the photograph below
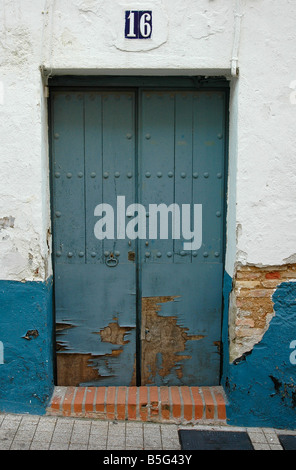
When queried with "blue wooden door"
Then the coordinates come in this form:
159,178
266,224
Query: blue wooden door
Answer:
95,280
182,163
138,294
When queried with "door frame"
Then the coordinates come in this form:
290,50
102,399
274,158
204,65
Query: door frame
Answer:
138,83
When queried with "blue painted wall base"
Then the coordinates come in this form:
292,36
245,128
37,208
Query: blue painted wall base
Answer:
26,331
261,386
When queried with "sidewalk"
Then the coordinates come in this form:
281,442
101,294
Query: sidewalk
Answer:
27,432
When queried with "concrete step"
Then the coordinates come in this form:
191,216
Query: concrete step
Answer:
148,403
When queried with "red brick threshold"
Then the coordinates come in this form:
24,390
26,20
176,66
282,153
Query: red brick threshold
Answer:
154,404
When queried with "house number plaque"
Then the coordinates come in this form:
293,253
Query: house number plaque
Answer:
138,24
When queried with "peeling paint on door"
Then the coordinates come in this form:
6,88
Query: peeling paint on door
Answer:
115,334
72,369
163,341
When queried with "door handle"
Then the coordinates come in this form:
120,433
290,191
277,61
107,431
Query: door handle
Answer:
111,262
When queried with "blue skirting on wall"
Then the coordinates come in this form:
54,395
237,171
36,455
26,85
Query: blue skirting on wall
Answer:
261,385
26,335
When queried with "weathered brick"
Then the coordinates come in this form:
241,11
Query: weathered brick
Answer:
270,269
245,322
172,404
165,403
100,400
198,403
67,404
247,284
89,399
289,275
110,402
132,403
143,403
249,276
187,403
248,269
209,402
154,401
255,293
176,402
273,275
247,332
271,283
77,406
256,304
121,402
221,409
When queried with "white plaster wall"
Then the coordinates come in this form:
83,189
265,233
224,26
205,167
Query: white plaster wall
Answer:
189,37
88,34
24,253
266,176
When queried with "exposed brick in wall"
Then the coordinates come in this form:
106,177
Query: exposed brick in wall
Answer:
251,305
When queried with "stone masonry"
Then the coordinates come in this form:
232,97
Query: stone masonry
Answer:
251,305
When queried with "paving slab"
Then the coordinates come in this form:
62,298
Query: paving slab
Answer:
26,432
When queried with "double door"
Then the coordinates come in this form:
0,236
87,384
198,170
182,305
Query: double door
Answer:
137,208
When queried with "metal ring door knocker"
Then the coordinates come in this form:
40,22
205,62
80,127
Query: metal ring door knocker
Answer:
111,261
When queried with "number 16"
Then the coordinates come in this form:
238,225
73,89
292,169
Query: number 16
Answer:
138,24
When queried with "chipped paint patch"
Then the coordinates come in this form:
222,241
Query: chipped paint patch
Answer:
31,334
114,334
60,328
251,307
7,222
163,341
74,368
260,386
